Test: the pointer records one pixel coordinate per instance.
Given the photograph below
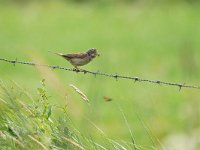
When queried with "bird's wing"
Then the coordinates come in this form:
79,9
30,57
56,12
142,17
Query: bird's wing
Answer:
76,55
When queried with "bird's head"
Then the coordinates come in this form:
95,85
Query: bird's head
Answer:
93,52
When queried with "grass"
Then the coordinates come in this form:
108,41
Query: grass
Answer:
150,41
28,122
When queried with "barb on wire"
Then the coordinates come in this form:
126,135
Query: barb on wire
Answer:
116,76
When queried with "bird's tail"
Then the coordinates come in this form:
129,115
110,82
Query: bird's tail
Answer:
59,54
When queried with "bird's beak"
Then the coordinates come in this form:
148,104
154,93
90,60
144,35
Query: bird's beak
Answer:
98,54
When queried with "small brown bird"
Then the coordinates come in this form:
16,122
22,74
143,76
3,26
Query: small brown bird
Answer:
79,59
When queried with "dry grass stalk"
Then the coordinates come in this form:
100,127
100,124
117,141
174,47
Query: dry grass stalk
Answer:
38,142
74,143
83,96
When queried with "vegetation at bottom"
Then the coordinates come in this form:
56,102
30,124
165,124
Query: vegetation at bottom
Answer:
28,122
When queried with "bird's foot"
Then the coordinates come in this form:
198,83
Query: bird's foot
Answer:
76,69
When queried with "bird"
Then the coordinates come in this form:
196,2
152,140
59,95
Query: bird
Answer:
79,59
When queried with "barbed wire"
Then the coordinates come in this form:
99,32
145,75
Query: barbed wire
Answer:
116,76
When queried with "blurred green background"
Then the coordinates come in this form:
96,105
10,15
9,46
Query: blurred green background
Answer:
149,39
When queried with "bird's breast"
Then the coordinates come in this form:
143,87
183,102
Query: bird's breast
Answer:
80,61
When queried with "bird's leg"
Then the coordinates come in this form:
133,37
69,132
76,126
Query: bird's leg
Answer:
76,69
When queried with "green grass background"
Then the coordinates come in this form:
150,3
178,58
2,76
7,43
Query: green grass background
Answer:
151,41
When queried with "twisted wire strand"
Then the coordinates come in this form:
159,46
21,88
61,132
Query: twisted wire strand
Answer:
116,76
